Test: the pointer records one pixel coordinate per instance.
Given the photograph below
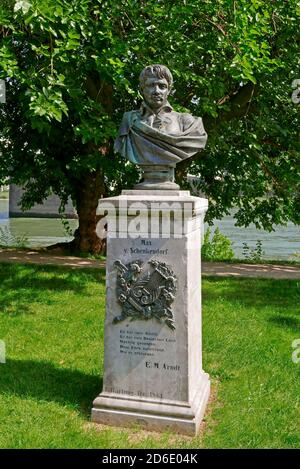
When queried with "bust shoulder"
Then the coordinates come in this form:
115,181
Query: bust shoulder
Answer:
126,122
184,116
187,118
128,116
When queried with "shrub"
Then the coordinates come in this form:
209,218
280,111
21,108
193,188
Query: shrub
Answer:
7,239
253,254
296,257
217,248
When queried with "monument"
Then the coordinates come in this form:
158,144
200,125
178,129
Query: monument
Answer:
153,371
156,137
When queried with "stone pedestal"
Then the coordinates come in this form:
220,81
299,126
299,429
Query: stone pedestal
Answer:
153,348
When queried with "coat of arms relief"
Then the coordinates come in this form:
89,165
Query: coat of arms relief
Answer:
146,291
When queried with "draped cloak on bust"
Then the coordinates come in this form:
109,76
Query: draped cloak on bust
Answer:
176,137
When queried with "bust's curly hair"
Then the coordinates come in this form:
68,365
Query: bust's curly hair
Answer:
156,70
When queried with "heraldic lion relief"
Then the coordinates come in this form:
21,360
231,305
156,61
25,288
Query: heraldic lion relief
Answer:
146,292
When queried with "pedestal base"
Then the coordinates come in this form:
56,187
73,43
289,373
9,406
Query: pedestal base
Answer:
153,372
157,177
154,186
159,415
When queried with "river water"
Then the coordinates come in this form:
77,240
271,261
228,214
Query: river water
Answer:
282,244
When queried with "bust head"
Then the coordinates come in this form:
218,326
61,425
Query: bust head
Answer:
155,85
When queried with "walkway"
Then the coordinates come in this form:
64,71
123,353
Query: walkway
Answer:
220,269
223,269
51,258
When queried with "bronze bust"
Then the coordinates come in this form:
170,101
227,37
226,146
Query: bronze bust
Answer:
155,137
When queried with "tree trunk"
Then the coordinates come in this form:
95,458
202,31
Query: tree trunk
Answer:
88,192
92,187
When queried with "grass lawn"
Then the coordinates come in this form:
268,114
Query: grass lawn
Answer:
51,319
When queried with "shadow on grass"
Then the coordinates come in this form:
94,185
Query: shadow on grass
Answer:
71,274
252,292
289,322
22,285
43,381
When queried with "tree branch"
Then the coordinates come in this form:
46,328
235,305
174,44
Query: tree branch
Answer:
239,106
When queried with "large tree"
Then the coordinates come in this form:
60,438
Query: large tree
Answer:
71,70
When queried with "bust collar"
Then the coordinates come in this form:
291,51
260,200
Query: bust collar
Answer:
146,110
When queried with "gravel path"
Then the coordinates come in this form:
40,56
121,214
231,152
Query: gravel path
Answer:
52,258
223,269
220,269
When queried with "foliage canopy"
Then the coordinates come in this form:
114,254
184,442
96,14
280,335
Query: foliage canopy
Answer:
71,70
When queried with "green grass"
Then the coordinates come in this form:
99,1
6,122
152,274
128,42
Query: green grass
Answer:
51,319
